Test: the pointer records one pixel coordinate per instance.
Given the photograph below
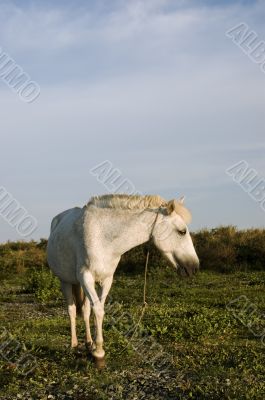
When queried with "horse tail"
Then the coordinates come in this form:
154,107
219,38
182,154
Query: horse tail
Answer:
79,297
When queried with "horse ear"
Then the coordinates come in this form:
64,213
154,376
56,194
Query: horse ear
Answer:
171,204
181,200
180,209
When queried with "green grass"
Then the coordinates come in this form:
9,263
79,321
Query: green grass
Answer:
208,352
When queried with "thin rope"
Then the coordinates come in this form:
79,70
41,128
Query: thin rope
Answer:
145,277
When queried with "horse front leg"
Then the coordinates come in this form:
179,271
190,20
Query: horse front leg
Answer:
88,283
106,285
86,308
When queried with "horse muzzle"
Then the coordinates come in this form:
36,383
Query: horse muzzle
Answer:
188,267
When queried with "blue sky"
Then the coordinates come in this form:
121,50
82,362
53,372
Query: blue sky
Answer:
155,87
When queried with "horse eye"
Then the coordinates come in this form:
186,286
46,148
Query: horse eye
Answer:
182,232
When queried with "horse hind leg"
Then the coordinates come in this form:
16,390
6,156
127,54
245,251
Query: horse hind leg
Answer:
71,307
83,308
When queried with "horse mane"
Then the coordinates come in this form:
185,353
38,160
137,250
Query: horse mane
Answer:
127,202
138,202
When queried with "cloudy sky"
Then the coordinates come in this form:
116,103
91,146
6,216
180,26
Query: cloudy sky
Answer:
153,86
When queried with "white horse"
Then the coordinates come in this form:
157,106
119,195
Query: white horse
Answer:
86,244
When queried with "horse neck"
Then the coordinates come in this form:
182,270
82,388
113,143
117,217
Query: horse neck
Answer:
121,230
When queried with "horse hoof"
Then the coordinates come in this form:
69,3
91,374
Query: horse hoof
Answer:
100,362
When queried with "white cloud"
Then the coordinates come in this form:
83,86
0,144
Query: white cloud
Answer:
158,90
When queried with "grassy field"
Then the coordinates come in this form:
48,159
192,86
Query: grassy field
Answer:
196,341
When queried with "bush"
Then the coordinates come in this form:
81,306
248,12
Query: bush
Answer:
223,249
18,257
44,285
226,249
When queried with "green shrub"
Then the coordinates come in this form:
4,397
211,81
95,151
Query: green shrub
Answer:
227,249
223,249
18,257
44,285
